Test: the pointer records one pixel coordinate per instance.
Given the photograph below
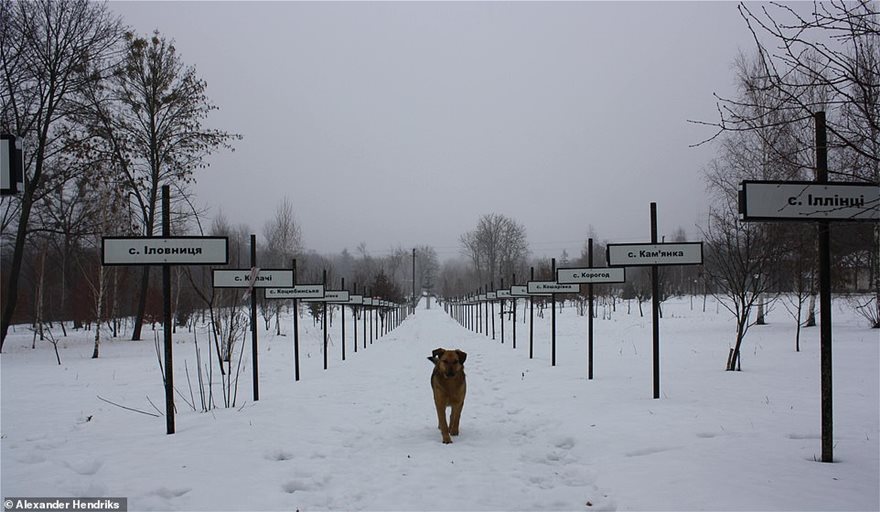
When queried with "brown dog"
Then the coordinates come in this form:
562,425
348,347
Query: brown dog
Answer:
449,386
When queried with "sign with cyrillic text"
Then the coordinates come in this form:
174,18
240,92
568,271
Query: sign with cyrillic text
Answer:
265,278
519,290
491,295
356,300
503,294
197,250
640,255
543,287
591,275
332,296
808,201
300,291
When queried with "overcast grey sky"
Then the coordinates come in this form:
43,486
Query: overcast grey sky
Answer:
400,123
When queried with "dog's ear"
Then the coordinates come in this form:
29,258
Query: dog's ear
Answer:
461,356
438,352
432,359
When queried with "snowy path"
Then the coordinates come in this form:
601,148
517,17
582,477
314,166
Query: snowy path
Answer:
362,435
385,436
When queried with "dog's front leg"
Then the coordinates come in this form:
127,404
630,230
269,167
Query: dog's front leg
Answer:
455,418
441,419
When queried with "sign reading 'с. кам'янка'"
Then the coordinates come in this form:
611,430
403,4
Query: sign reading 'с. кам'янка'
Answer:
635,255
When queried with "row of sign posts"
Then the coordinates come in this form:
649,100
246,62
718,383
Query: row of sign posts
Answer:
167,251
568,280
818,202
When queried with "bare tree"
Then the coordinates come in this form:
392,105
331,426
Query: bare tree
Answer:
427,267
741,257
823,56
106,206
147,118
497,247
45,48
283,243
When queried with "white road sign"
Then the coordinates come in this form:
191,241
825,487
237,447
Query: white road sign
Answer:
266,278
806,200
158,251
356,300
332,296
591,275
503,294
300,291
635,255
491,295
519,290
544,287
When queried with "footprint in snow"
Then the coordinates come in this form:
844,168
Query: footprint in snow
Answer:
164,492
294,486
86,467
649,451
279,455
32,458
565,443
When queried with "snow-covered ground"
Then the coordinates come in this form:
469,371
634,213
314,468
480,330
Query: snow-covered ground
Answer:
363,435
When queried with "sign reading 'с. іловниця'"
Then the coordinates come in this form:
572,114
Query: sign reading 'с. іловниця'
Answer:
179,250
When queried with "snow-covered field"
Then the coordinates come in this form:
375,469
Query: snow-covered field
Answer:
363,435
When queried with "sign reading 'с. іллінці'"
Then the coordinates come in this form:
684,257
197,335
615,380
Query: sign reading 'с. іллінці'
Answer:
806,200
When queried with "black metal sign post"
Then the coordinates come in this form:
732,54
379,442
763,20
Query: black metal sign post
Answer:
296,292
513,282
252,279
502,312
590,276
342,315
551,288
329,297
820,202
492,302
166,321
824,298
165,251
532,321
654,255
354,320
255,352
655,306
589,314
295,330
553,317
